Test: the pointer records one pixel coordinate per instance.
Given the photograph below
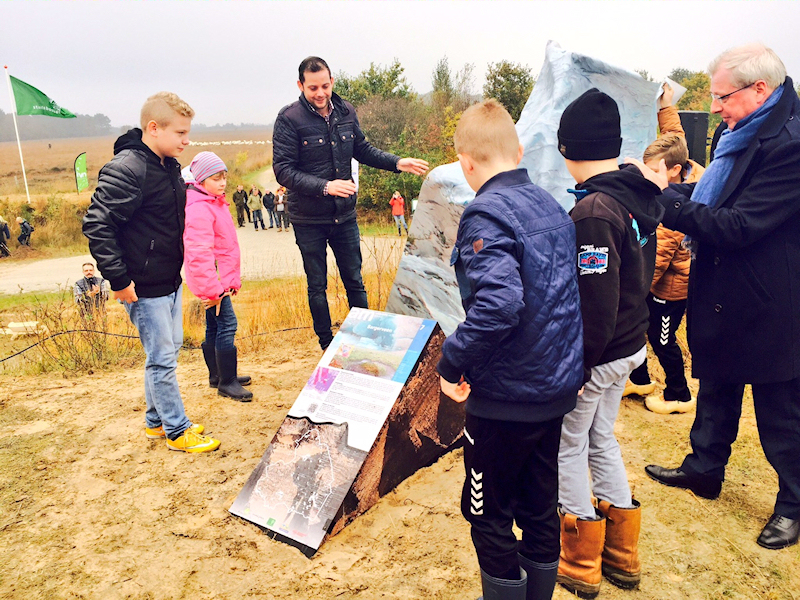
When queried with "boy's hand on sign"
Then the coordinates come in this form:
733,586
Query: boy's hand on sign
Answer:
455,391
127,295
660,177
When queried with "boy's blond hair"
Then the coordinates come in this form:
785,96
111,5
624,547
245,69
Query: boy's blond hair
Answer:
672,148
486,132
162,107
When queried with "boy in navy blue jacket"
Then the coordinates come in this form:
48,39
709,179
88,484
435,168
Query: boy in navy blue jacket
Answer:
517,359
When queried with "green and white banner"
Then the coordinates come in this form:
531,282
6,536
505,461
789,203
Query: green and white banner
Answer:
31,101
81,174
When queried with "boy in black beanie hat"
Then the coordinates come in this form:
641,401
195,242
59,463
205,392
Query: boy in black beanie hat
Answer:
615,218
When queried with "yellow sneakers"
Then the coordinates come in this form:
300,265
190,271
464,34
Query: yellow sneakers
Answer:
193,442
638,390
158,432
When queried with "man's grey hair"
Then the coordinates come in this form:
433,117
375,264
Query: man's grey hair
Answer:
747,64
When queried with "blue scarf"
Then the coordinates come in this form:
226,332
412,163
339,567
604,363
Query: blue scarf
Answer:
731,143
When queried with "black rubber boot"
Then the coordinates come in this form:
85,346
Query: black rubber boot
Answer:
504,589
541,578
229,385
210,355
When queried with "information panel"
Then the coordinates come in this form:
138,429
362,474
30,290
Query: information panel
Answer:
297,488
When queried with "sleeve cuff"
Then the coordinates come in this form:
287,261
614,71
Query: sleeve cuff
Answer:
448,371
120,284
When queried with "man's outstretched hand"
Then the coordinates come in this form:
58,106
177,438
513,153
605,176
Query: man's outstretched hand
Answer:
417,166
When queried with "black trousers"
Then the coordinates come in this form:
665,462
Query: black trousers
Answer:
240,215
512,475
665,318
716,425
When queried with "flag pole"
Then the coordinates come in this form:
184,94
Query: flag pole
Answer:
16,129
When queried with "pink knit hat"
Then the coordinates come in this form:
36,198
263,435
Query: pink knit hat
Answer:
205,165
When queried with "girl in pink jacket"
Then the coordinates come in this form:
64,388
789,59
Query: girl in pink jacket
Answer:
211,264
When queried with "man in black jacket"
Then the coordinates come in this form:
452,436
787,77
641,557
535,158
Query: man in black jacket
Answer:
135,228
240,201
269,206
313,144
743,323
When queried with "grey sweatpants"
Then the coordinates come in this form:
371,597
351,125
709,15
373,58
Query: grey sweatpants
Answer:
588,444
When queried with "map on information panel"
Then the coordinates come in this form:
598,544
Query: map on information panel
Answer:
308,468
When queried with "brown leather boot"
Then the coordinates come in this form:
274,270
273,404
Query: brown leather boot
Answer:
621,564
579,569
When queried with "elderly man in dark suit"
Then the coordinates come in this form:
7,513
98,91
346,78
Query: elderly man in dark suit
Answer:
742,222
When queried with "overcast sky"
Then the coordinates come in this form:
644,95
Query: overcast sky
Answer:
236,60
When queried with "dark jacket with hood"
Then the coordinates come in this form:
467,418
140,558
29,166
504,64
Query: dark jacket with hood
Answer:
615,218
135,220
743,319
520,347
307,152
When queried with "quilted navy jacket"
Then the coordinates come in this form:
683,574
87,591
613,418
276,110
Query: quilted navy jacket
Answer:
521,345
307,152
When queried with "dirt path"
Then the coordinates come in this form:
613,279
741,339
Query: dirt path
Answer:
91,509
265,254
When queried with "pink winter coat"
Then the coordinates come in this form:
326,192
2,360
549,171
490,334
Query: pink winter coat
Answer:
211,249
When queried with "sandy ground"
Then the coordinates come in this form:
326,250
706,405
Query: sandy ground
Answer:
89,508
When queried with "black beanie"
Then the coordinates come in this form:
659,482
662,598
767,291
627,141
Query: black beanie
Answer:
589,128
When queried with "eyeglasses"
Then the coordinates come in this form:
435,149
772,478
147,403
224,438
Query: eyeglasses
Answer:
722,99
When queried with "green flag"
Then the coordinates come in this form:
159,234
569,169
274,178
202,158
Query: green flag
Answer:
31,101
81,174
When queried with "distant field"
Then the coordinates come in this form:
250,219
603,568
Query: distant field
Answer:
50,169
56,209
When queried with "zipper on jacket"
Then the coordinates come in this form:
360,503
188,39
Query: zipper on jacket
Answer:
147,258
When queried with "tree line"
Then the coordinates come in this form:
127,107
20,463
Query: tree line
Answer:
47,128
397,119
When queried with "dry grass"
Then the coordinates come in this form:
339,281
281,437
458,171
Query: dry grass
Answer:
56,209
51,170
270,313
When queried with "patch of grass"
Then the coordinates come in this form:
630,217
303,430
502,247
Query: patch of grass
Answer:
23,301
270,313
378,229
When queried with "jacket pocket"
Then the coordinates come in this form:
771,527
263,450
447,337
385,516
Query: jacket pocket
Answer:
754,282
313,145
346,134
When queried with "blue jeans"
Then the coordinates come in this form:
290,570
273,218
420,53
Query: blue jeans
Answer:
398,219
272,219
345,242
221,328
160,325
256,214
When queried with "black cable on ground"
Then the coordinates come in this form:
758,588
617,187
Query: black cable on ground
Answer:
131,337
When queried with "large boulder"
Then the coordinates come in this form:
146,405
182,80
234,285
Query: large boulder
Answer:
425,285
